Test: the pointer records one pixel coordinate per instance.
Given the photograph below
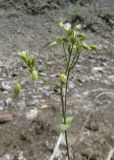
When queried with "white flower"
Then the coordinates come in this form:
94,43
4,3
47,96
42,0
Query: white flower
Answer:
22,53
67,26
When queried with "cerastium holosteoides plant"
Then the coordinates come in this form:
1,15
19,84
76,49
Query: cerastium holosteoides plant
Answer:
73,43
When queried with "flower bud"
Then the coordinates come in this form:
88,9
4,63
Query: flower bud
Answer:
78,26
34,75
63,78
61,25
17,88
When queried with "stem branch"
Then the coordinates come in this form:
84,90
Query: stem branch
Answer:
48,81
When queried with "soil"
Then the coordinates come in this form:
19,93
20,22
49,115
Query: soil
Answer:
30,133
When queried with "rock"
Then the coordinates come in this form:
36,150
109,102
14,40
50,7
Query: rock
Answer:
97,69
5,117
6,157
19,156
111,77
32,114
9,102
49,146
5,86
21,105
71,85
92,125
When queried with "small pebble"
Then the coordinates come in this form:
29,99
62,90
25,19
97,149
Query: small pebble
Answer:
5,117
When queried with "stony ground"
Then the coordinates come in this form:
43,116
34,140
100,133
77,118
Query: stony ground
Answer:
32,133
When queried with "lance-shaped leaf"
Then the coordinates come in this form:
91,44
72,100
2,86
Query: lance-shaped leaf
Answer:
94,47
62,40
73,37
81,36
24,56
85,46
53,44
69,120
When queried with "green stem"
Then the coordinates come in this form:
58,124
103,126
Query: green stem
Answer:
62,102
65,53
64,119
67,145
65,108
48,81
75,62
65,100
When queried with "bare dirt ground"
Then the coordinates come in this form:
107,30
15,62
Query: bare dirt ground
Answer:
32,25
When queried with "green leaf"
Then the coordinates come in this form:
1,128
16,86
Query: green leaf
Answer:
64,127
29,63
62,40
94,47
78,48
86,46
69,32
53,44
73,37
81,36
24,58
33,62
69,120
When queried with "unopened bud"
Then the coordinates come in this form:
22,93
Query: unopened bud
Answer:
34,75
17,88
61,25
63,78
78,26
